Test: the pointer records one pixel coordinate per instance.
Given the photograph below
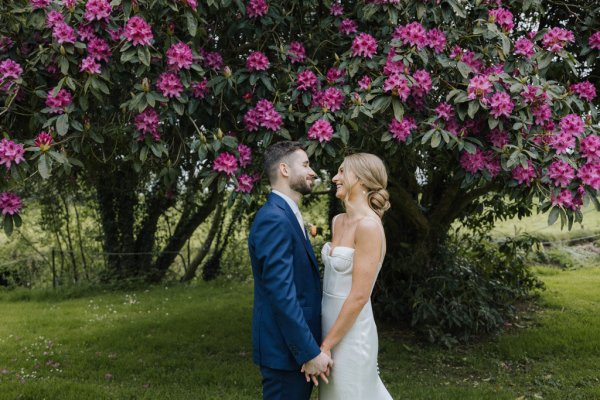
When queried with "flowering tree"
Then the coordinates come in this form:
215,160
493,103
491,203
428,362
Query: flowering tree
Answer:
465,100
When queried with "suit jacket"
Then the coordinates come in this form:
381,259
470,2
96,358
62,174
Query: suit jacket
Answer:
286,320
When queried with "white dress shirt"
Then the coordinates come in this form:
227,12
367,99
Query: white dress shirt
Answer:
294,208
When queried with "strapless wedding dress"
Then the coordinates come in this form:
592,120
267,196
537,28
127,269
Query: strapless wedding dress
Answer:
355,374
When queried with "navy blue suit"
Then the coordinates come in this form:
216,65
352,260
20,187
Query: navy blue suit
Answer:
286,320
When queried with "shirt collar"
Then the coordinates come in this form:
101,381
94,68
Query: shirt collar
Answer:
289,201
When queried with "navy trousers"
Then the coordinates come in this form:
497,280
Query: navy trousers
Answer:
284,385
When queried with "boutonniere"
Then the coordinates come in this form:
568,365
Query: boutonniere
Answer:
313,230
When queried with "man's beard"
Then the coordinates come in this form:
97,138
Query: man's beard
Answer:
300,185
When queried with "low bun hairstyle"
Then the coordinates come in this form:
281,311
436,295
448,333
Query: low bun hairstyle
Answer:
371,172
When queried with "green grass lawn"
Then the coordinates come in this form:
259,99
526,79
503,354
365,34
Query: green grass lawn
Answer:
194,343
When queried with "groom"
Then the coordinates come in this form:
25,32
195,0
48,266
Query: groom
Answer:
286,320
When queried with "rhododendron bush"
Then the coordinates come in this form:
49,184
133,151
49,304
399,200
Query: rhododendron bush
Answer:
463,99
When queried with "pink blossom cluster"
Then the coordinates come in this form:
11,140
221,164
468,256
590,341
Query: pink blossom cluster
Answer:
348,26
330,99
10,152
566,199
9,70
10,203
257,61
422,84
89,65
200,89
415,34
256,8
585,90
306,80
364,45
321,130
179,56
245,155
562,142
498,138
589,174
444,111
225,162
35,4
335,75
245,183
556,39
59,101
116,34
401,130
594,41
398,85
147,122
99,49
391,66
590,147
63,33
138,31
53,18
501,104
572,124
169,84
97,10
561,173
524,47
265,115
364,83
43,141
69,3
336,9
479,87
193,4
473,162
296,52
524,175
86,32
502,17
212,59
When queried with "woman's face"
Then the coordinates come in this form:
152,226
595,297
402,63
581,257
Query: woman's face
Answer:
345,181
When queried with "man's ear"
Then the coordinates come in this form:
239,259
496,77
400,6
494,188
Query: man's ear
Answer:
284,169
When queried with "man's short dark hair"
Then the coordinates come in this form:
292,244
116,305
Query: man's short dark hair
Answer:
276,153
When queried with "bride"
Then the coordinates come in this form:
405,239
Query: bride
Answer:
352,262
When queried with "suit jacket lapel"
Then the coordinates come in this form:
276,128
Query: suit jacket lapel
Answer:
297,230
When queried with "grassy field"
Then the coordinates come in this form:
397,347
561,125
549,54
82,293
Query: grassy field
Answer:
194,343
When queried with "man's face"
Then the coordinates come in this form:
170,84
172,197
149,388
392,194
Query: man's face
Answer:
301,175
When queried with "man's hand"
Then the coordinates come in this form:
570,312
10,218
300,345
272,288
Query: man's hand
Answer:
318,366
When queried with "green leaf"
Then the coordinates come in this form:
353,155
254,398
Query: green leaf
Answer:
8,225
178,107
398,109
267,82
17,220
344,134
44,167
192,23
545,61
473,108
436,139
464,69
553,215
230,142
144,154
62,124
144,55
458,10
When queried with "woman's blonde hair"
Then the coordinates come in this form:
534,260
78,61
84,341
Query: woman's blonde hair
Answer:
371,173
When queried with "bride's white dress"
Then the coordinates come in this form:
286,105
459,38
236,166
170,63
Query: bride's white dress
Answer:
355,374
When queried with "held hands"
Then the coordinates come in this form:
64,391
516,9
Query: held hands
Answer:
318,366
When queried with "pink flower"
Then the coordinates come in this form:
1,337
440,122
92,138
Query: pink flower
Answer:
90,65
561,173
296,52
564,199
470,58
501,104
63,33
524,175
191,4
365,83
422,84
413,34
391,66
556,39
436,39
492,163
534,95
10,69
97,10
265,115
10,203
213,60
116,34
524,47
562,142
179,56
147,122
444,111
336,9
331,99
256,8
245,183
35,4
252,120
57,103
498,138
306,80
590,147
502,17
54,17
589,174
225,162
245,155
594,41
200,89
479,87
138,31
401,130
473,163
321,130
257,61
99,49
364,45
335,75
572,124
69,3
398,85
169,84
585,90
86,32
43,140
10,152
348,26
542,114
